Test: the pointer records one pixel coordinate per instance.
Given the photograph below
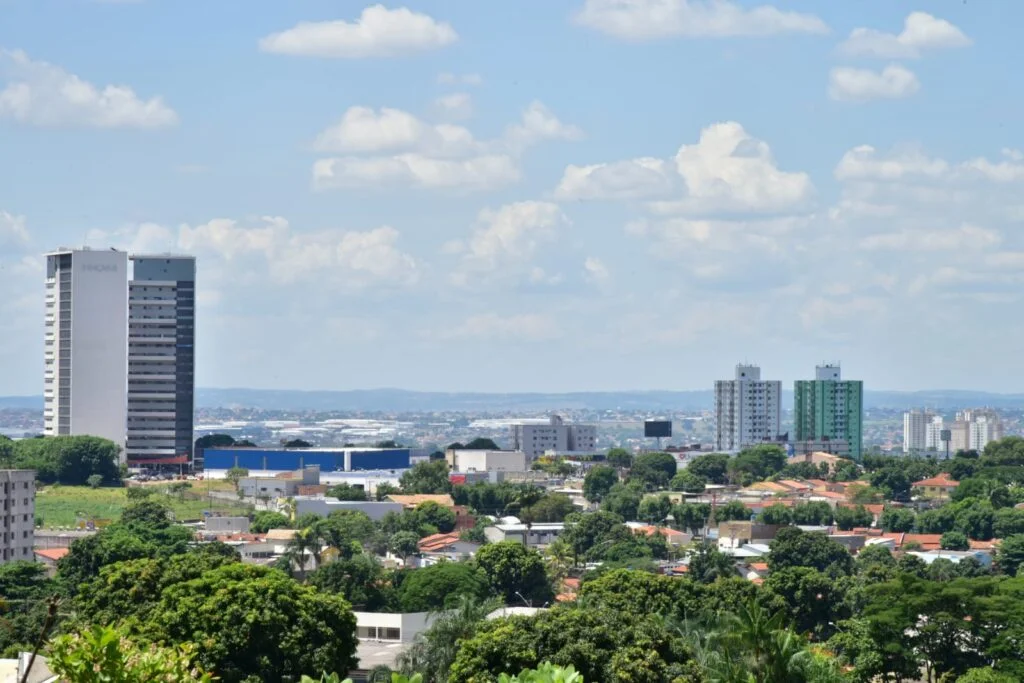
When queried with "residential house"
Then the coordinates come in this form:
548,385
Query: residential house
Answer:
737,534
940,487
532,535
447,546
49,558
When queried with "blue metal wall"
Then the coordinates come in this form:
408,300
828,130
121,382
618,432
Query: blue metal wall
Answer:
293,459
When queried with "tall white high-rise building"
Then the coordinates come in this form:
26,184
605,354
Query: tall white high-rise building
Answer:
86,355
747,409
915,430
161,359
982,429
933,434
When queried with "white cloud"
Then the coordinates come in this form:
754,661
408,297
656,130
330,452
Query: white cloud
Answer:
595,270
12,229
966,237
921,33
43,94
862,85
727,170
415,170
432,155
491,326
511,233
456,105
378,32
459,79
653,19
537,123
631,179
864,162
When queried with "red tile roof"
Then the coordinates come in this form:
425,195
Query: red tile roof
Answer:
53,554
927,541
941,480
437,542
759,566
984,545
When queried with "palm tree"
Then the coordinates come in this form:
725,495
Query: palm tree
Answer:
434,650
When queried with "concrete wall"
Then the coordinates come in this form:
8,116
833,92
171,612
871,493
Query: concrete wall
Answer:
325,506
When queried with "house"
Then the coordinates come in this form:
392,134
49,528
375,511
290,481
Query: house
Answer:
383,636
852,542
449,546
734,535
532,535
756,570
49,558
226,525
954,556
411,501
940,487
674,538
816,458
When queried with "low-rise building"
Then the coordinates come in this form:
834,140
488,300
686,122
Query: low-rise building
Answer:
940,487
413,500
450,546
226,525
737,534
954,556
465,460
383,637
284,485
325,506
532,535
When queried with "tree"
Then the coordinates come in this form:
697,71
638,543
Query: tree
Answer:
688,482
897,519
937,521
584,531
515,573
403,544
426,477
654,509
385,489
359,579
441,586
795,548
692,517
433,651
94,480
756,463
481,444
234,474
974,518
598,482
436,515
24,593
623,500
214,441
1010,555
104,655
708,564
654,470
346,491
619,457
250,621
813,600
812,514
893,482
776,514
954,540
297,443
847,518
713,467
67,460
734,510
265,520
553,507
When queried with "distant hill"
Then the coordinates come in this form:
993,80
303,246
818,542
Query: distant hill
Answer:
399,400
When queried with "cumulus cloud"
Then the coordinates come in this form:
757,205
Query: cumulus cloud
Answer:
595,270
42,94
456,105
921,33
427,155
511,233
378,32
727,170
13,230
653,19
894,82
864,162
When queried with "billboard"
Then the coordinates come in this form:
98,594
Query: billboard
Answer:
657,428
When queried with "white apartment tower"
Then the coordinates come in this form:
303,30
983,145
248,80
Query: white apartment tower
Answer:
536,437
18,490
86,355
161,360
915,430
747,409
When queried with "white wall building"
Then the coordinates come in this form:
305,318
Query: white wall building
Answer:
19,496
982,430
464,460
86,355
322,506
535,437
915,430
933,434
747,409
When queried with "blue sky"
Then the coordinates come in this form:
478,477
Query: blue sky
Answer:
541,195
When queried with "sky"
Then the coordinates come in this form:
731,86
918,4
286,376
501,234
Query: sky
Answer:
541,195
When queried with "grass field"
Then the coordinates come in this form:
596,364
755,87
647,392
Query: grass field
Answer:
62,506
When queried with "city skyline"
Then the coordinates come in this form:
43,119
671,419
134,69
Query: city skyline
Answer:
436,207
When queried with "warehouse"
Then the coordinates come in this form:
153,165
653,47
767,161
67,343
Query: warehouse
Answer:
329,459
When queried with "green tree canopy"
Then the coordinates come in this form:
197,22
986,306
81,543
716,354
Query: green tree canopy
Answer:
713,467
265,520
598,482
441,586
619,457
795,548
346,491
67,460
426,477
654,470
515,573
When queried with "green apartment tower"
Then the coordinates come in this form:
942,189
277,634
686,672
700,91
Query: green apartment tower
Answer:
829,411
